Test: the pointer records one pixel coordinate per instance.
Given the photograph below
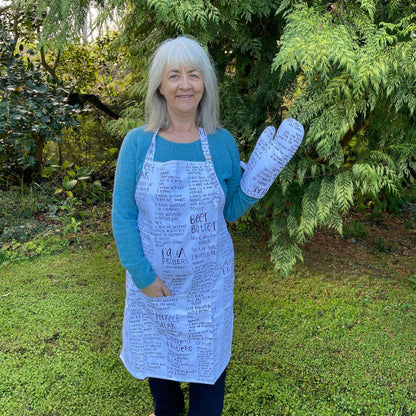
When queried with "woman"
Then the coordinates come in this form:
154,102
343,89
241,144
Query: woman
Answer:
176,185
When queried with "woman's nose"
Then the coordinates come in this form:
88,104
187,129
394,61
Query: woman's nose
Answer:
184,82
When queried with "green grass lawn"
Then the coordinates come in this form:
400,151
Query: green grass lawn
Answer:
317,343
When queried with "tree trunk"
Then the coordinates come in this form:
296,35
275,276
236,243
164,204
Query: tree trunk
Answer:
40,145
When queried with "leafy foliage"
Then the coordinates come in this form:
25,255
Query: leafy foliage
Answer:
32,110
356,93
61,20
75,181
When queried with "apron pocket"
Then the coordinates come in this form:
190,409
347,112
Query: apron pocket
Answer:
188,317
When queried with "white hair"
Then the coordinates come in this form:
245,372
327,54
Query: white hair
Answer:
187,52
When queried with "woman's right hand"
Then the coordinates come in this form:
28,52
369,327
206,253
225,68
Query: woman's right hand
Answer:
156,290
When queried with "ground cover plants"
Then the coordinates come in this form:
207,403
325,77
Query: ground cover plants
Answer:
337,337
35,220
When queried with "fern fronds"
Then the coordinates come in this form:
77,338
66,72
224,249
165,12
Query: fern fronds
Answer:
325,201
309,217
344,191
285,254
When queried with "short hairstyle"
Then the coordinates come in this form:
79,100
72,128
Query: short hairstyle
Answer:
185,51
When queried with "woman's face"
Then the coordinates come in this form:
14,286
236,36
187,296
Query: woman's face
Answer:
183,88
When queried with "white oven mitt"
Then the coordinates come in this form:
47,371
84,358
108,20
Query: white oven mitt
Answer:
270,156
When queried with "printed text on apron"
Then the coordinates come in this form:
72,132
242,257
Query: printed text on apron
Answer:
187,336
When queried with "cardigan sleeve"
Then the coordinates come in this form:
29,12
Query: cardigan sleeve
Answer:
124,210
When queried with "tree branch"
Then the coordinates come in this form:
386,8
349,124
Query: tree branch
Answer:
75,98
50,69
351,133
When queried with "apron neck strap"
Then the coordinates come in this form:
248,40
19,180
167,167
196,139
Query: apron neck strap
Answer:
204,143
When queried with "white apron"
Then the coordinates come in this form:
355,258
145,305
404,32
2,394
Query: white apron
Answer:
187,336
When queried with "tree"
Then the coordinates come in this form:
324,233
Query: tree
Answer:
356,94
70,75
33,111
56,30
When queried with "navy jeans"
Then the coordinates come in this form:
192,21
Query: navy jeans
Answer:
204,399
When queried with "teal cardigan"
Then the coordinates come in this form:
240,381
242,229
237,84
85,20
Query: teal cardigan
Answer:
133,151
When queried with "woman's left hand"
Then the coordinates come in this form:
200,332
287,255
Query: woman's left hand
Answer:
157,289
